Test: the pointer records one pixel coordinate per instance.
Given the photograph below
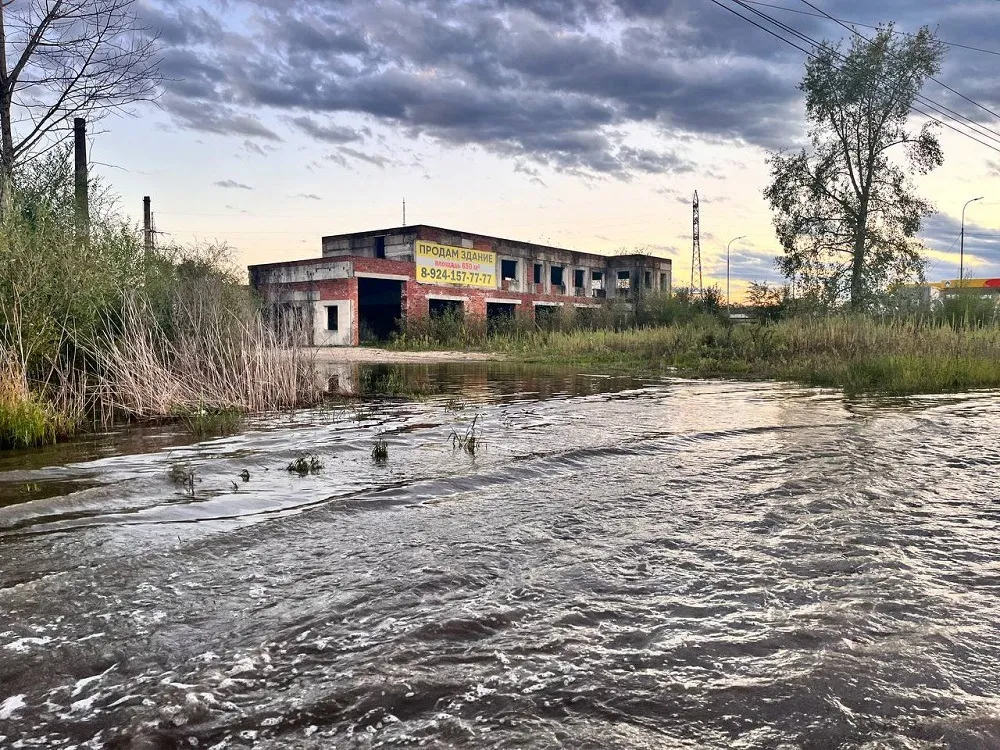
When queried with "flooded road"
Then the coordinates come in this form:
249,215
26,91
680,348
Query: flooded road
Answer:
624,564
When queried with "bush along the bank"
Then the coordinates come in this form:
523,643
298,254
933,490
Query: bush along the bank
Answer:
25,421
101,330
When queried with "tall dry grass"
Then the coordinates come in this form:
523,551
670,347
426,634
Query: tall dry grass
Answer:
215,358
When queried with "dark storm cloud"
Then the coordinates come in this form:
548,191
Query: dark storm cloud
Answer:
216,118
556,82
325,133
377,161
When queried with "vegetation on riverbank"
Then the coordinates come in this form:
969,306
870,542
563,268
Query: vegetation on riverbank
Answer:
952,347
101,331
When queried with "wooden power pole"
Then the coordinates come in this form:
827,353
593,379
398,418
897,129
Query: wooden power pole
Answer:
82,180
147,224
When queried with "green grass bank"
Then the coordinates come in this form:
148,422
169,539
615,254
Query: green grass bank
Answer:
860,354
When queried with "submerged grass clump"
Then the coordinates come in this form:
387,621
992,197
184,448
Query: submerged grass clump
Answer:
203,423
183,475
471,441
380,451
304,465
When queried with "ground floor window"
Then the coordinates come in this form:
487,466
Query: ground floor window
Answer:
333,318
500,316
546,316
441,307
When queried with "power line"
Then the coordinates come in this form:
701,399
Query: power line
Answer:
940,83
817,45
868,26
940,109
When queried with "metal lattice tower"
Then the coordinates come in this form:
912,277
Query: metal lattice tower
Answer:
696,248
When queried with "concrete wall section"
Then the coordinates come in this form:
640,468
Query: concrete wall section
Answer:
388,244
299,271
343,318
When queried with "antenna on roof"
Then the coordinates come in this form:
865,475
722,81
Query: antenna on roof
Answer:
404,212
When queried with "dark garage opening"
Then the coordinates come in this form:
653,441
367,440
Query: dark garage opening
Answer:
380,308
500,315
440,307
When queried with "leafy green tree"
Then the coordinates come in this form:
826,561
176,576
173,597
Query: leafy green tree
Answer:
846,211
768,302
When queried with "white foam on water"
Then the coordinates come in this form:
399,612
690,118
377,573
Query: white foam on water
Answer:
23,645
11,706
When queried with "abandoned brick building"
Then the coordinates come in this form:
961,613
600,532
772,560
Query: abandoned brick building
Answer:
365,283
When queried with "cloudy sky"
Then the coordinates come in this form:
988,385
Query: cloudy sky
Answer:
579,123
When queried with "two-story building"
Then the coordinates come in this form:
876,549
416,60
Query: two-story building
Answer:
365,283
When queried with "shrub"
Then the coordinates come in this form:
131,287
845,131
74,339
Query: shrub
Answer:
25,420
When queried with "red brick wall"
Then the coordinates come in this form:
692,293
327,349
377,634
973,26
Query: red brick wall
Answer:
415,295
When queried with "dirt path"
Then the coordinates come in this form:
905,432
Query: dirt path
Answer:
346,354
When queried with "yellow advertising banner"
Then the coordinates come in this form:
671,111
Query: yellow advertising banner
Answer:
460,266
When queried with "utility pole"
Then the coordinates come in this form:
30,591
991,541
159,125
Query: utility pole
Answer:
961,251
81,180
147,224
728,299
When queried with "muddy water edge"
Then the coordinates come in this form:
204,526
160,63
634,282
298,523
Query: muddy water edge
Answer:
622,562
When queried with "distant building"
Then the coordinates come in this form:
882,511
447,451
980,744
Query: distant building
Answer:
974,286
366,282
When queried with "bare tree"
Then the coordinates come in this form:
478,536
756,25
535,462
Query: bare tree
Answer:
61,59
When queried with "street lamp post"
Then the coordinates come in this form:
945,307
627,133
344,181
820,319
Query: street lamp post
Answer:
728,300
961,247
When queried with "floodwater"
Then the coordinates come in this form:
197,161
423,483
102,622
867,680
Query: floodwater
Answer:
625,563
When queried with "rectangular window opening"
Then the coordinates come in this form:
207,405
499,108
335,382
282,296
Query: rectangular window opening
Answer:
647,279
624,283
538,273
556,276
380,247
578,278
333,318
508,269
445,308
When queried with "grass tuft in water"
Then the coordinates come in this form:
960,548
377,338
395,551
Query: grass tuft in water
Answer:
26,423
203,423
471,441
304,465
380,451
184,476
